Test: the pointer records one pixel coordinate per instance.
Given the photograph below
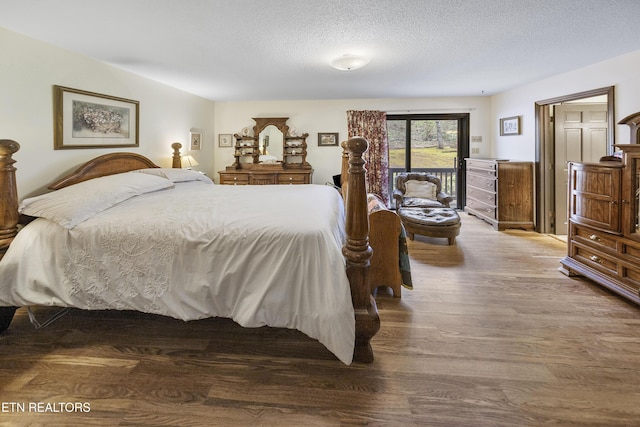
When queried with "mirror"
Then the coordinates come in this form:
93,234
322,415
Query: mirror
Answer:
272,130
270,143
270,146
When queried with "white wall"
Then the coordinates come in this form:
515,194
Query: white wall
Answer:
313,117
621,72
28,71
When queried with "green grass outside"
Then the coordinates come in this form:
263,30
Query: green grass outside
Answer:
429,157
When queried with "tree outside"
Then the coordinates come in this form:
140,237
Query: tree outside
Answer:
434,143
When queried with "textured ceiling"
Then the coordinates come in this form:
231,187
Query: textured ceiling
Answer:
280,49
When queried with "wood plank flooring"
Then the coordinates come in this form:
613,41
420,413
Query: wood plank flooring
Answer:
492,335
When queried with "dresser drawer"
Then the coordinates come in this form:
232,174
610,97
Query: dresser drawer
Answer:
488,197
292,178
234,179
262,179
487,183
481,164
631,276
482,208
594,258
594,238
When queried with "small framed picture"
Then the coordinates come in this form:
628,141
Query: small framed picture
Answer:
327,139
195,141
510,126
225,140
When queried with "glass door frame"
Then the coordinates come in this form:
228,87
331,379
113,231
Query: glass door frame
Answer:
463,148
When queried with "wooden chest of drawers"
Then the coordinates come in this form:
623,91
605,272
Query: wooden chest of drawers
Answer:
500,192
598,247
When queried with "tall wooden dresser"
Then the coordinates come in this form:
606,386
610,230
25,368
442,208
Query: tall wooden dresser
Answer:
604,227
500,192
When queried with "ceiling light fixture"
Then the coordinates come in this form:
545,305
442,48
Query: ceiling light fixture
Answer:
349,62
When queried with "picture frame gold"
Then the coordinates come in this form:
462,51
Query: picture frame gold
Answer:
84,119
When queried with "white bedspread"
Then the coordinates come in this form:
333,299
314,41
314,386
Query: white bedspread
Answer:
261,255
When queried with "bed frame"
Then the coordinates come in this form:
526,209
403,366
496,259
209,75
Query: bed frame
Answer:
356,251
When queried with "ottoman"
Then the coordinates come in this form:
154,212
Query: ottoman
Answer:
432,222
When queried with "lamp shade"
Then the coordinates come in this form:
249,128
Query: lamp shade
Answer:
349,62
188,162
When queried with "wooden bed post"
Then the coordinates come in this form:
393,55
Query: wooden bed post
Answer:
358,253
344,172
9,210
176,162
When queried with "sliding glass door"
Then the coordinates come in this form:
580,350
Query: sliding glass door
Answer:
433,143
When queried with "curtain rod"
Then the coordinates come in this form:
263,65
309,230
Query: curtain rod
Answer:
430,110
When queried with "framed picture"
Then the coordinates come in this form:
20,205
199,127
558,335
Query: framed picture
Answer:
327,139
91,120
225,140
510,126
195,141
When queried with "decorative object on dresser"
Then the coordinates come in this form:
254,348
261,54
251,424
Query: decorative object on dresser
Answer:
604,210
271,155
500,192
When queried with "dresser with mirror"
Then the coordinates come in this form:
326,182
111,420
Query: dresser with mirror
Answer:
270,153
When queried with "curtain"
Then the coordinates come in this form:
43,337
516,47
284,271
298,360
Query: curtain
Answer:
372,126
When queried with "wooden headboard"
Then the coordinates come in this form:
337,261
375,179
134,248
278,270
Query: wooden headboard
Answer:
111,164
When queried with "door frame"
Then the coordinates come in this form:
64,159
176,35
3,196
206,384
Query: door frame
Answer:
545,146
464,127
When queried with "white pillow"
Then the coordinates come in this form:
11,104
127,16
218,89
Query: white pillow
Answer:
421,189
76,203
177,175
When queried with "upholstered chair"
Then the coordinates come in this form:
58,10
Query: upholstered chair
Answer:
419,190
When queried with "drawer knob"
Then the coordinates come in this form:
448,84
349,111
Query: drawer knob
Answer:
595,258
594,238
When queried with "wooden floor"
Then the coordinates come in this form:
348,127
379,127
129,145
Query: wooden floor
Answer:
492,335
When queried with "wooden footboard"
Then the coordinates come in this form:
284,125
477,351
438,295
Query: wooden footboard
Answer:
357,251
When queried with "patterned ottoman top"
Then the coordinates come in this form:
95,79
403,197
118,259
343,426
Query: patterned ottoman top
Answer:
430,216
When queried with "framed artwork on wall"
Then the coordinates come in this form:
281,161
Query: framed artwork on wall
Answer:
327,139
195,141
226,139
510,126
85,119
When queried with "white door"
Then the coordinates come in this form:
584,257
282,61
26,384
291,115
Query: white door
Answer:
580,136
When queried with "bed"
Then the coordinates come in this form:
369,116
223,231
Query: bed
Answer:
134,236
